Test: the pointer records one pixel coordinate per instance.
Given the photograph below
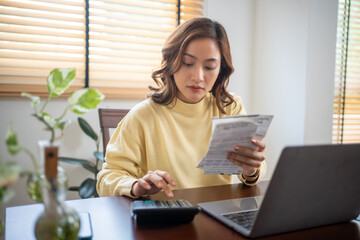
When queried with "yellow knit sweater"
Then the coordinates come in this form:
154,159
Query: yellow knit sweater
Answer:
171,138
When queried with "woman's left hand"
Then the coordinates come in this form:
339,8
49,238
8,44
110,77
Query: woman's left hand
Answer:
249,159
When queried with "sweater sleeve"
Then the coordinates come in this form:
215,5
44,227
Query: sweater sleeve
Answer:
123,166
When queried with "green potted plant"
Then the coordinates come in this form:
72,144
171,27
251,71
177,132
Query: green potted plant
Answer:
57,221
87,188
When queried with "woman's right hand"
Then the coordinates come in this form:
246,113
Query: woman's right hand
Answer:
152,183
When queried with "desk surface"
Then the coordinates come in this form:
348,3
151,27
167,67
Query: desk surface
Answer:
110,217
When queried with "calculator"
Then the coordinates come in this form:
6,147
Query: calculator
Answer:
163,211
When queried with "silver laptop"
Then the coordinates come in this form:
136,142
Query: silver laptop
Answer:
311,186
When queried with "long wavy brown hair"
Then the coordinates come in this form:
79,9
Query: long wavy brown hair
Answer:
172,54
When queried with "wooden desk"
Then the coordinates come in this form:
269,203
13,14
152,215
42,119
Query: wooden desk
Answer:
110,217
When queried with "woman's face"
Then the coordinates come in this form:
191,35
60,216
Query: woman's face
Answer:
200,67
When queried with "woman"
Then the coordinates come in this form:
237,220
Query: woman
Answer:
158,144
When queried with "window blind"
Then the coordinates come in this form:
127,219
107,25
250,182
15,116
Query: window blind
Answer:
346,117
37,36
125,39
190,9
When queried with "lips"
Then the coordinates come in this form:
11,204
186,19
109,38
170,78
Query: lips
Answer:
195,87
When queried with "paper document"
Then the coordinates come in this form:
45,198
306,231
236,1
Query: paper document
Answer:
230,131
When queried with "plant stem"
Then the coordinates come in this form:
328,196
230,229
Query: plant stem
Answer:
45,104
97,143
52,135
41,118
64,113
97,160
33,159
35,110
96,168
62,131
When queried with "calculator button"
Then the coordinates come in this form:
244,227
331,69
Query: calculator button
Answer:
184,203
161,204
172,203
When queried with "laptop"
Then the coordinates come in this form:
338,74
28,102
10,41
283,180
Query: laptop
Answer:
311,186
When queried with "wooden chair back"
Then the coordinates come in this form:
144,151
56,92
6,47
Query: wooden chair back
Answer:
109,118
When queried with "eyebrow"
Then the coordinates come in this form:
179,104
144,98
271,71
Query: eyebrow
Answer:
208,60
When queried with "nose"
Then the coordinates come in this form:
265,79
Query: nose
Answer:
198,74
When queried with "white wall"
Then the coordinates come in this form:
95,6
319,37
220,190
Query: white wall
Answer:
288,67
320,71
283,54
237,17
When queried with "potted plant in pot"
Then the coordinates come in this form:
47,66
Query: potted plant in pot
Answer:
87,188
57,221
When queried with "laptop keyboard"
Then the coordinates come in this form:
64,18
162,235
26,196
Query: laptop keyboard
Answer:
244,218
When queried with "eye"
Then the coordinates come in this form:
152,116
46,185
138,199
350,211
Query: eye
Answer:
210,68
187,64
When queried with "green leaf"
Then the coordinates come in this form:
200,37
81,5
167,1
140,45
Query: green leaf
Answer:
12,144
81,101
87,188
63,123
75,189
100,156
48,119
90,167
35,100
85,126
76,161
34,187
59,80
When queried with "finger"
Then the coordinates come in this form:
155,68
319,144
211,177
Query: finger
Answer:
141,188
167,189
144,184
248,152
167,179
260,144
166,176
239,160
246,168
154,179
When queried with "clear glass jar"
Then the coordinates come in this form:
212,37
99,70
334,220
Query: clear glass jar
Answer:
58,221
33,187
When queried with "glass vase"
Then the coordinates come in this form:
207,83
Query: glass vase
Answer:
57,221
33,187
